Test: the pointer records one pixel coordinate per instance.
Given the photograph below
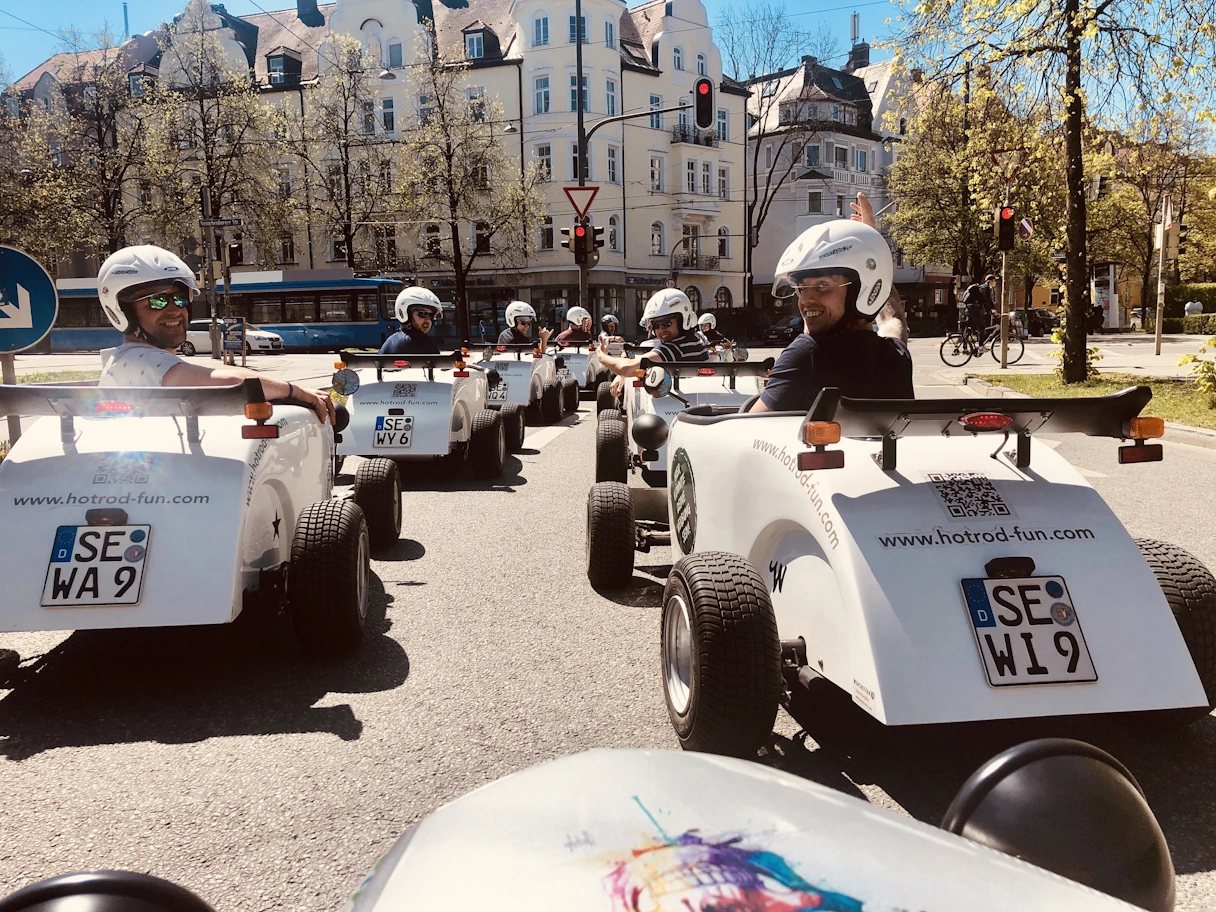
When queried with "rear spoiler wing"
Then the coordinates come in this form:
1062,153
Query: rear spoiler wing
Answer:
72,401
729,369
492,349
380,362
890,419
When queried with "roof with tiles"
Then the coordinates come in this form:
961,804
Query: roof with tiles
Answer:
280,30
138,51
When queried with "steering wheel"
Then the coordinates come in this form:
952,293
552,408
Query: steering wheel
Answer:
103,891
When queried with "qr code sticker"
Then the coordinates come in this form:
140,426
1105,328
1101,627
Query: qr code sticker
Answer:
130,468
405,390
968,495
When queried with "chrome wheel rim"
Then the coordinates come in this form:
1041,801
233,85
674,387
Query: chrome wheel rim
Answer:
364,570
677,654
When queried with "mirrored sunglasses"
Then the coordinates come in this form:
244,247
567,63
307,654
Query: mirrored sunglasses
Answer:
427,314
661,322
523,321
160,300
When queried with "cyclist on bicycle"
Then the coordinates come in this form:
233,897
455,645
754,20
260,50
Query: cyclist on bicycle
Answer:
841,274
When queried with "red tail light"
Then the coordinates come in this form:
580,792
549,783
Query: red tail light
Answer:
401,364
501,348
113,406
260,431
460,373
986,421
706,371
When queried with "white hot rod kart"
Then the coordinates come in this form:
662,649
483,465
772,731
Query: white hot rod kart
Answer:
693,384
929,558
578,362
528,388
665,831
158,507
420,408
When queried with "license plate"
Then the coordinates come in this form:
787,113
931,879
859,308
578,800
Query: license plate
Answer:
498,393
393,431
1027,631
563,373
96,565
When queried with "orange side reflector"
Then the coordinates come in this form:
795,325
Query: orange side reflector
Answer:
260,431
258,411
640,373
459,365
339,365
821,433
1145,428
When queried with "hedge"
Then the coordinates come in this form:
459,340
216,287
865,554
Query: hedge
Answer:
1168,324
1176,297
1199,324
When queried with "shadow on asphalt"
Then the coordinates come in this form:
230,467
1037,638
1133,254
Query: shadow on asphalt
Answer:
448,474
923,767
183,684
645,590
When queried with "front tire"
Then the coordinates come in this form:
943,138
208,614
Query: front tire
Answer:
515,425
1190,590
611,452
570,395
610,535
551,402
487,444
188,349
1017,348
604,398
327,586
955,351
378,494
721,655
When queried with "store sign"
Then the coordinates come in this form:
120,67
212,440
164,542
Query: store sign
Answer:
645,280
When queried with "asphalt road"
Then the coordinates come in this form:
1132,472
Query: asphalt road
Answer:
226,761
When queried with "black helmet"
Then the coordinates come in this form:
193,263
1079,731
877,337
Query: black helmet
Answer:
609,319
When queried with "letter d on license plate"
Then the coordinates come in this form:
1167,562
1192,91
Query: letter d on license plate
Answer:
96,565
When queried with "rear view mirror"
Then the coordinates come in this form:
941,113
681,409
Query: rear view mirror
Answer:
657,382
740,353
345,381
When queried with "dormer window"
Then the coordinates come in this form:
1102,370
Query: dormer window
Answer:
283,66
474,45
12,105
135,82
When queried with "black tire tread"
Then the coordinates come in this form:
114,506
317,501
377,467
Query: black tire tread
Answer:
738,654
322,588
551,402
570,395
611,452
610,535
604,398
1190,590
377,482
515,425
483,444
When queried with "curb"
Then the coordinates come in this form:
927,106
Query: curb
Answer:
1174,432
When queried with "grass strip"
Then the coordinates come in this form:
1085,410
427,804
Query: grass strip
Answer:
58,376
1174,399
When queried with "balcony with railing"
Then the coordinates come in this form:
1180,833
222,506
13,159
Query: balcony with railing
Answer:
687,133
694,261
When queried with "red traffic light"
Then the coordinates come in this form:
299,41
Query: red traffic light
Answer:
580,231
1006,213
703,88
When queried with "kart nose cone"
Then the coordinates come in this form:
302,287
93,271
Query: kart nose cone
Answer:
649,431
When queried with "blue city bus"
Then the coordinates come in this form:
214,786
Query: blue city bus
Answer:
312,315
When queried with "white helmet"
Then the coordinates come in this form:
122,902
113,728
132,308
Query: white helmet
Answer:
413,297
840,244
666,302
125,273
577,315
518,309
708,321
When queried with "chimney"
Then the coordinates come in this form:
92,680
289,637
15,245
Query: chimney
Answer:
859,56
809,61
308,13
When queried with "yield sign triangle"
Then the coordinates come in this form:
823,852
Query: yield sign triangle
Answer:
580,198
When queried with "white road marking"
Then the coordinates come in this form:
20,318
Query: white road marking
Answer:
534,440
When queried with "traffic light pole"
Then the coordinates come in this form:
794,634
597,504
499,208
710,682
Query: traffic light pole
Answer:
583,292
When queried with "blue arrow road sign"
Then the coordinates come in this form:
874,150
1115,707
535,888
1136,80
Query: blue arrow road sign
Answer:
28,301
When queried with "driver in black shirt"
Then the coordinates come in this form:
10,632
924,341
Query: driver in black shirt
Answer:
417,309
841,273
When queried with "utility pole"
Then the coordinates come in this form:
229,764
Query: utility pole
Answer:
583,293
208,272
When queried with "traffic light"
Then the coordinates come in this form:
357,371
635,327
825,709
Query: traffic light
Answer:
1005,228
703,94
598,235
236,254
566,242
1183,228
580,241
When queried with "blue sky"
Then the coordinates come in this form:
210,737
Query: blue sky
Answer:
24,46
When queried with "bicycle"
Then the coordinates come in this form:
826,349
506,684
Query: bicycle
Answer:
960,347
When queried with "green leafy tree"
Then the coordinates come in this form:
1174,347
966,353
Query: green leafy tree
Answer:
1070,59
486,201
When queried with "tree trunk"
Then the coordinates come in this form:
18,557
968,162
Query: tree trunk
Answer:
460,274
1076,280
